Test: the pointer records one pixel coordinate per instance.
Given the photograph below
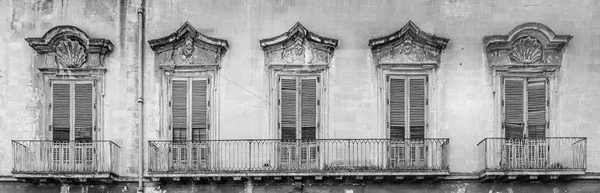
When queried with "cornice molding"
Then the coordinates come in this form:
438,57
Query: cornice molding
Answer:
408,46
188,47
298,48
528,47
68,47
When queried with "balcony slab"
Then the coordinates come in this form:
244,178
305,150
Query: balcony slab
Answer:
529,175
285,173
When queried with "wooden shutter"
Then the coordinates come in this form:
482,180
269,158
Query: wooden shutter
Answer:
308,108
536,108
288,102
199,109
397,108
417,107
179,110
84,111
61,111
513,108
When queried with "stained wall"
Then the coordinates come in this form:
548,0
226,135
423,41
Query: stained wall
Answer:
464,107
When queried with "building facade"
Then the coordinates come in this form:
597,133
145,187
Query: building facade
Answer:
299,96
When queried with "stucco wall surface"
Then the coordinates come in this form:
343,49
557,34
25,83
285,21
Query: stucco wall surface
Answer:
464,100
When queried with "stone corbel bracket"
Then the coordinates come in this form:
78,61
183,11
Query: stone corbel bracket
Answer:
187,49
69,49
408,48
529,47
298,48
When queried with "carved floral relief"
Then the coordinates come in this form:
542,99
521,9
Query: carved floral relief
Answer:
407,52
188,47
319,56
294,54
298,46
409,45
70,54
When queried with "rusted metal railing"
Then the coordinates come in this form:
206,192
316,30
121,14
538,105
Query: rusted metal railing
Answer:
43,156
310,155
532,153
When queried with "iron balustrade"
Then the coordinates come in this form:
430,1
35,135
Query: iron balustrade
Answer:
44,156
298,156
555,153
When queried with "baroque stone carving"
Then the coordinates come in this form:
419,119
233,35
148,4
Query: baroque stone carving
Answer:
529,46
188,48
409,45
68,47
526,50
407,52
70,54
298,47
294,54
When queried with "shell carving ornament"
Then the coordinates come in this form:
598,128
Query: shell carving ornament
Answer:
527,50
70,54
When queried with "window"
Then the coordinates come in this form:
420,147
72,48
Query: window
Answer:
298,103
189,109
525,106
407,102
72,110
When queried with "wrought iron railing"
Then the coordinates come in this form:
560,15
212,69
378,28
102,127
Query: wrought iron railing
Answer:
297,156
42,156
568,153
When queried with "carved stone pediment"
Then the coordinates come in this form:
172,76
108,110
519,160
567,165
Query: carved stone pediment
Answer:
408,46
528,47
69,48
298,48
188,48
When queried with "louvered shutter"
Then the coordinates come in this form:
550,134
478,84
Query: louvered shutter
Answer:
417,108
84,110
199,110
397,108
513,108
308,108
288,102
536,108
61,111
179,110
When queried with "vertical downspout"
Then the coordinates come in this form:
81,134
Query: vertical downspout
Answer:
140,92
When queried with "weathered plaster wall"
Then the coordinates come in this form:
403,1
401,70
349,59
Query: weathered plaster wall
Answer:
464,104
464,107
20,91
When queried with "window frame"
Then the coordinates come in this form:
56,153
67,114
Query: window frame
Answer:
317,76
94,77
72,84
549,79
551,98
189,80
387,102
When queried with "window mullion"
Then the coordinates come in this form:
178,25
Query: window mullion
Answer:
407,107
72,111
525,108
188,109
298,108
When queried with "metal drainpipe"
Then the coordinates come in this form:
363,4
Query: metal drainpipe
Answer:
140,93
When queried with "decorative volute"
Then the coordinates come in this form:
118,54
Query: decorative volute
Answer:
69,48
528,47
298,48
187,47
408,46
